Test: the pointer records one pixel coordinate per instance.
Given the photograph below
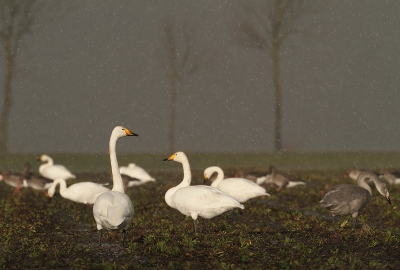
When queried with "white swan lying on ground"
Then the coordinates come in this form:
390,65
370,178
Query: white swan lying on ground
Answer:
113,210
239,188
82,192
194,201
136,172
53,171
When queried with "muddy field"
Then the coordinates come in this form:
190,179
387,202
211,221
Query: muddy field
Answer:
284,231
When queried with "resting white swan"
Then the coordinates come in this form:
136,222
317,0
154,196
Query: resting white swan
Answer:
136,172
53,171
113,210
82,192
239,188
194,201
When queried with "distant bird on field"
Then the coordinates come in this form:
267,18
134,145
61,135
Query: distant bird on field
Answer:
135,172
34,181
279,179
393,178
352,173
53,171
13,179
348,199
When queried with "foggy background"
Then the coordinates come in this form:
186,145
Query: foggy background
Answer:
99,65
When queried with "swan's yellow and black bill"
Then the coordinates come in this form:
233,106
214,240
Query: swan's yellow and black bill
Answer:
205,179
169,158
388,199
130,133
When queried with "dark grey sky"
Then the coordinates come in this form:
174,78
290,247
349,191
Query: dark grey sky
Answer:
97,66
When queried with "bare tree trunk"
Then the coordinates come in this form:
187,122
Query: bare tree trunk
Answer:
172,113
5,112
278,101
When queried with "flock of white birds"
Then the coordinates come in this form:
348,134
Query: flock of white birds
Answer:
113,209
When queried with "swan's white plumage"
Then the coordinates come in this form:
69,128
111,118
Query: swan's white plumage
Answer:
113,210
239,188
136,172
194,201
83,192
53,171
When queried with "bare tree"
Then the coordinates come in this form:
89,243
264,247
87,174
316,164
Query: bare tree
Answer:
180,59
17,18
266,27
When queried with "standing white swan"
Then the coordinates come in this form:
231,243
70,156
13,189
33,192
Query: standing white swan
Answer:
82,192
239,188
349,199
194,201
53,171
113,210
136,172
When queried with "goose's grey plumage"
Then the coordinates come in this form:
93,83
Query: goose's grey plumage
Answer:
280,179
13,179
35,181
348,199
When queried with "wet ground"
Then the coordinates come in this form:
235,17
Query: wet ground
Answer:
285,230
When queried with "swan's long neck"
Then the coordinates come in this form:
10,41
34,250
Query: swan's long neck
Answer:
118,185
220,176
63,186
361,182
187,174
25,171
378,183
273,172
50,161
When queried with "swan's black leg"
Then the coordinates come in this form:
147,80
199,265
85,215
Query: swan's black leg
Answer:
123,237
195,226
100,233
205,225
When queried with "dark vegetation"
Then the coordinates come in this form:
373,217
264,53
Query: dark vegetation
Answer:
284,231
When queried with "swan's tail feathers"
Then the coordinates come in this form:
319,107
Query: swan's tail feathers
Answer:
261,180
72,176
48,185
296,183
241,206
114,216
